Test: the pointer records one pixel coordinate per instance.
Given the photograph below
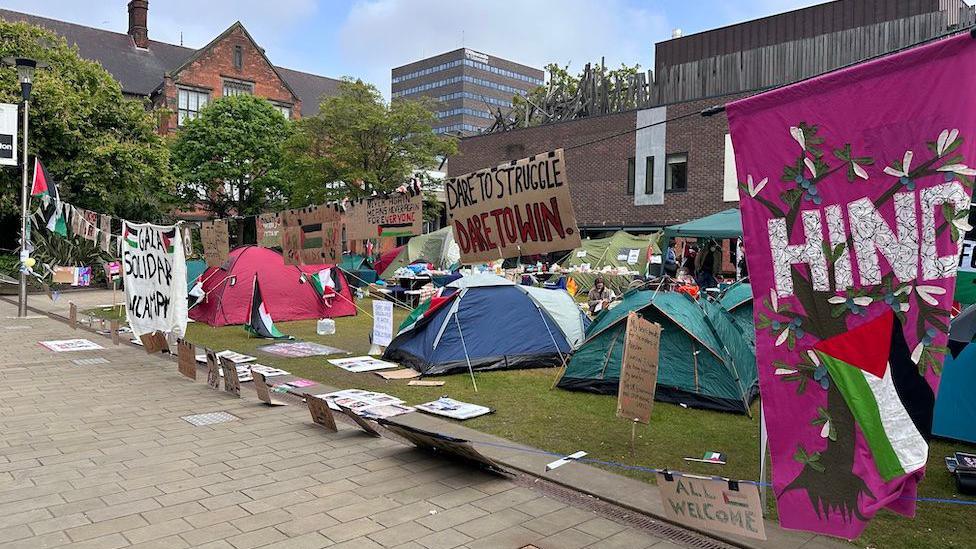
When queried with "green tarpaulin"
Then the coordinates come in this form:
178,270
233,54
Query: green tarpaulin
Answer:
615,251
437,248
727,224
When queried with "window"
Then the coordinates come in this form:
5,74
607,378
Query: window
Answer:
676,173
456,79
285,110
631,174
238,57
469,63
189,104
236,87
649,175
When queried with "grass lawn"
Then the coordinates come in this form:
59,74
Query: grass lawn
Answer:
529,412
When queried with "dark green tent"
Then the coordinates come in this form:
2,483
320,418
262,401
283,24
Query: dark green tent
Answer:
705,360
359,271
737,299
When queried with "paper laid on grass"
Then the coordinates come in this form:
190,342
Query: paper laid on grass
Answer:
235,357
406,373
385,411
65,345
300,349
358,399
454,409
268,371
358,364
425,383
299,383
243,373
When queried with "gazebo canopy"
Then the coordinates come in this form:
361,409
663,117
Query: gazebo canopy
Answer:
727,224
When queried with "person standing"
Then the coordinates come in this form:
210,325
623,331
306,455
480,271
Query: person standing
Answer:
707,263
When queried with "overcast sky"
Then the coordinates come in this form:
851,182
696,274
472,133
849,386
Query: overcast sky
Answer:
367,38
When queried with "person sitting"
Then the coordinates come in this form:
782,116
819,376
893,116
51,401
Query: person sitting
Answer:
670,261
600,296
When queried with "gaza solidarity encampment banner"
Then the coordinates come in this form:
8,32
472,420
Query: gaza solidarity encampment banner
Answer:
855,190
154,274
519,208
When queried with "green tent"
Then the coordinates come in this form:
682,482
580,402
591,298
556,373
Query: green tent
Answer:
727,224
359,270
437,248
737,300
705,360
614,251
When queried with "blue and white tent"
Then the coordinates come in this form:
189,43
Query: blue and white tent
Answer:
492,324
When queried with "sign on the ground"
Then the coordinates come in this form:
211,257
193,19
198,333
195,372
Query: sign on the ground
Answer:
707,504
518,208
638,371
114,326
186,352
397,215
66,345
73,316
261,388
213,371
382,322
321,414
154,342
232,383
154,277
312,235
216,242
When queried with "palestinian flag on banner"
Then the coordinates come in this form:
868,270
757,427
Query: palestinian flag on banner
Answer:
323,283
259,323
42,183
891,402
168,238
129,238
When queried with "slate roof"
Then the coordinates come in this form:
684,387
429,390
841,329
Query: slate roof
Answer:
140,71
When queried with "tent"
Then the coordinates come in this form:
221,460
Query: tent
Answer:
493,323
386,258
358,269
437,248
194,268
705,360
955,407
725,224
614,251
287,290
737,300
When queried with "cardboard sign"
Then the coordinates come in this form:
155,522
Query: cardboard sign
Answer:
186,352
397,215
105,238
321,414
68,345
360,420
382,322
89,225
73,316
312,235
518,208
264,395
216,242
232,383
154,342
712,505
8,134
213,371
456,447
268,230
114,326
154,276
638,371
64,275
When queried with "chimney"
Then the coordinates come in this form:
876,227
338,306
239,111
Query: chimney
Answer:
139,22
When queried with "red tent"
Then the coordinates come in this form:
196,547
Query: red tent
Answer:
384,261
287,290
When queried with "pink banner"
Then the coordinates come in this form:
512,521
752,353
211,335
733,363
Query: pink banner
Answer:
855,189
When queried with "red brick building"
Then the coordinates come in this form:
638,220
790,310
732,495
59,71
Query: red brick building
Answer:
183,80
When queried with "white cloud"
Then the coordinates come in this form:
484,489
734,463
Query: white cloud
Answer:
381,34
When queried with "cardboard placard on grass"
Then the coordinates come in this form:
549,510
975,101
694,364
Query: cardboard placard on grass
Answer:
397,215
382,322
186,352
154,342
232,383
321,414
268,229
264,395
405,373
425,383
312,235
114,326
712,505
216,242
73,316
638,372
213,371
519,208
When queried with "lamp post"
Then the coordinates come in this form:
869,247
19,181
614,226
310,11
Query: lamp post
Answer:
25,75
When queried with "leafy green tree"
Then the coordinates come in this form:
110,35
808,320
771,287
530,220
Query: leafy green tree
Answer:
101,148
228,160
358,143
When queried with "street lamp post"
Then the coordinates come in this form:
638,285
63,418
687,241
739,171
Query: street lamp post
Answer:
25,75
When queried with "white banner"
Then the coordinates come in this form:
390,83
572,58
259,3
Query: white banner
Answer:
154,274
382,322
8,134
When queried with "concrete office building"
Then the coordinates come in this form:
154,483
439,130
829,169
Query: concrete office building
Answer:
469,86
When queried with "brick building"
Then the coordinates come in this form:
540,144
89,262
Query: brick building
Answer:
664,163
183,80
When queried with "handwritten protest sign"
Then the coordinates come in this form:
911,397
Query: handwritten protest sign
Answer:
232,383
382,322
213,371
638,372
321,414
186,352
154,276
518,208
268,229
706,504
397,215
105,224
216,242
312,235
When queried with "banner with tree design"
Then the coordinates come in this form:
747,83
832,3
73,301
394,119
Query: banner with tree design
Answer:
855,196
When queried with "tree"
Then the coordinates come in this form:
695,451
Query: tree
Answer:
101,148
228,160
358,144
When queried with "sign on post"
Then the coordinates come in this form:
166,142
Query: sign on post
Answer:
396,215
216,242
707,504
638,372
312,235
518,208
382,322
8,134
268,229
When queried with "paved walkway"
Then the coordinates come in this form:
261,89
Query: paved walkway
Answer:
97,455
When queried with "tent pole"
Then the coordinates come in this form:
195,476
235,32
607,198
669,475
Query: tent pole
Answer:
554,344
466,357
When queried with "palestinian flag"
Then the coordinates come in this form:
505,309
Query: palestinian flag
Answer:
168,238
53,214
259,322
323,283
424,310
891,402
42,183
129,237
